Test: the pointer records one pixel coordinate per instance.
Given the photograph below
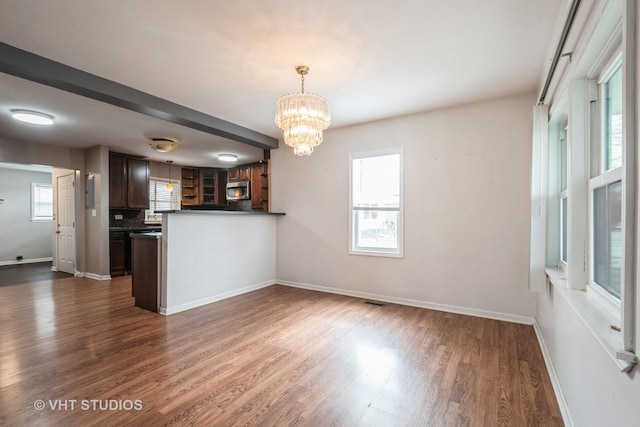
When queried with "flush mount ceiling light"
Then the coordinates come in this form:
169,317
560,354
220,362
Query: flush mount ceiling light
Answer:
227,157
302,117
33,117
163,145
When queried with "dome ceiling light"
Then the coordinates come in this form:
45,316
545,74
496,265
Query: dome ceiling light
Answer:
164,145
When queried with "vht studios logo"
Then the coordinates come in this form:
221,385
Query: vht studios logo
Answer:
88,405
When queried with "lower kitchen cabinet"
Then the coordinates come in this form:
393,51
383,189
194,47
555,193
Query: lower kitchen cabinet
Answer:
118,242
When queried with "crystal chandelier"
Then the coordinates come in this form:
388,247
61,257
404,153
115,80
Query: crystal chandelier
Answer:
302,117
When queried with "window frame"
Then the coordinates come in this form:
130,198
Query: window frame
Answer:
35,217
599,178
369,251
150,217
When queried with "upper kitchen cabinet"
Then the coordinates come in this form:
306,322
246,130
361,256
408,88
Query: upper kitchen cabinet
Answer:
212,186
128,182
240,173
190,186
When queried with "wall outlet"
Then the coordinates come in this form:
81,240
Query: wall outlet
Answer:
118,217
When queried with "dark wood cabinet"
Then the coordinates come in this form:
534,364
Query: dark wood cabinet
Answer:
137,184
117,253
189,185
128,182
240,173
145,273
260,185
117,181
212,186
203,186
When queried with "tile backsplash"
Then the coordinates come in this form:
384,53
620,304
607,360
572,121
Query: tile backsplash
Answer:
130,218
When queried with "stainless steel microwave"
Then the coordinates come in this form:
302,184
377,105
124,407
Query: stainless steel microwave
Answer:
238,190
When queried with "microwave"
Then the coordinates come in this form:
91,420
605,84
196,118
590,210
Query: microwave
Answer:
238,190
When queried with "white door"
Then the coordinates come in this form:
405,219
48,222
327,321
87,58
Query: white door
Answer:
66,223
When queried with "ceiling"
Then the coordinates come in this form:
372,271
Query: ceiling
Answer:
371,59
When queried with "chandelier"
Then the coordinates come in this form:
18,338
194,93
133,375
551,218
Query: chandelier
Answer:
302,117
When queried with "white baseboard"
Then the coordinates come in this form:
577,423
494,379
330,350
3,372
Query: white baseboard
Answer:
94,276
514,318
193,304
555,382
26,261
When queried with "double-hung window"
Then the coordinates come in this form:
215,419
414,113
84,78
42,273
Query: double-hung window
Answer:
41,202
564,193
162,196
605,188
376,203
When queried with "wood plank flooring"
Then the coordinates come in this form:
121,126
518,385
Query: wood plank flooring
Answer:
31,272
278,356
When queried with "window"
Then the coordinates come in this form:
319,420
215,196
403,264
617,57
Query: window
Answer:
161,198
41,202
564,194
605,187
376,203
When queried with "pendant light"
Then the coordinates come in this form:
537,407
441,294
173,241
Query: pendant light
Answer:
170,184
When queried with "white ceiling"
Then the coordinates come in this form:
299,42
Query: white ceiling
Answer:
371,59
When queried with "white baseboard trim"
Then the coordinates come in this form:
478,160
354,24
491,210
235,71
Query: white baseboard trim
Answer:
25,261
95,276
514,318
555,382
193,304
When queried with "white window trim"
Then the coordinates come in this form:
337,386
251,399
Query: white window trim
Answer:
377,251
597,293
35,218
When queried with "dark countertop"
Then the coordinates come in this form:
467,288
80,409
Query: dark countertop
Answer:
148,227
220,212
149,235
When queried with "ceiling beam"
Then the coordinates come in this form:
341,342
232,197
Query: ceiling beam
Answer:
27,65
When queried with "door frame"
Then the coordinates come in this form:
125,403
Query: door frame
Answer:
56,258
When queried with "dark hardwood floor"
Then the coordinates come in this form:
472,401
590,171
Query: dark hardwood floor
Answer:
26,273
278,356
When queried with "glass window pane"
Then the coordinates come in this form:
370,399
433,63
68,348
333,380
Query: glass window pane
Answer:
607,237
563,230
563,156
376,181
613,121
375,229
42,201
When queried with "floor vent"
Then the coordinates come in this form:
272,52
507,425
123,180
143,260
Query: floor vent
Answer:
379,304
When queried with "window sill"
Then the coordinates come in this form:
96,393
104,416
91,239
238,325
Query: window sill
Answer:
595,318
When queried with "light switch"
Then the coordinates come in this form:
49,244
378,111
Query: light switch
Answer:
93,213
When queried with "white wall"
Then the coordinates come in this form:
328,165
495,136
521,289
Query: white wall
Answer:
596,393
466,182
208,257
20,235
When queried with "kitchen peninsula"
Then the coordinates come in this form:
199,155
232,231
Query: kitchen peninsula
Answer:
209,255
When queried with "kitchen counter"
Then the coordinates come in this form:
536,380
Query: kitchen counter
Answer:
148,227
211,255
219,212
148,235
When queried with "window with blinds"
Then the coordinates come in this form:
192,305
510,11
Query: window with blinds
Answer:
162,198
